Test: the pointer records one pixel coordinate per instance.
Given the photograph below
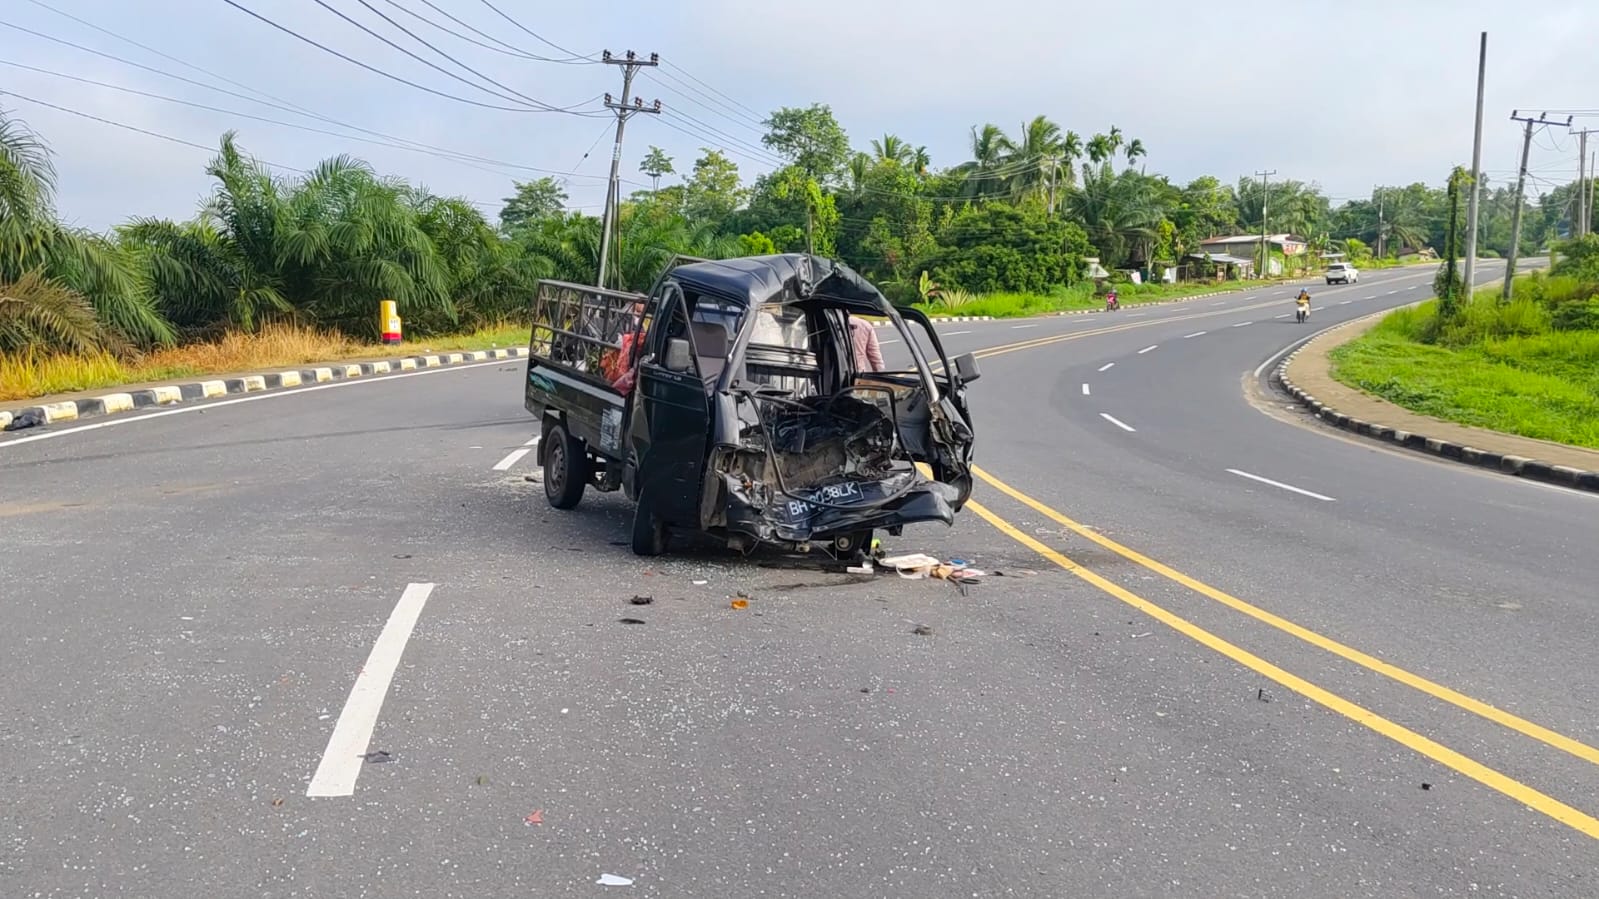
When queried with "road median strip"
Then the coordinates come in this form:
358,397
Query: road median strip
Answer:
119,402
1500,457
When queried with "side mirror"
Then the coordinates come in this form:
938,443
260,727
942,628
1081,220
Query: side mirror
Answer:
678,358
966,368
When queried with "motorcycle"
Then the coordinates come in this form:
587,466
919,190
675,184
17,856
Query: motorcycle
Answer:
1111,302
1303,311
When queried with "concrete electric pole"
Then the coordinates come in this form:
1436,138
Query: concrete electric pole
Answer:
1584,213
1265,201
1476,171
1521,186
624,110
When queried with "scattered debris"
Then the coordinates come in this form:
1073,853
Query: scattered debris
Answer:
277,803
1426,786
537,817
536,477
642,600
482,780
402,555
1262,695
863,568
611,880
1144,634
28,419
701,583
378,757
740,602
631,620
922,630
866,689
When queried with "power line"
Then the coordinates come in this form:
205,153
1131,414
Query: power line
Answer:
505,48
683,90
511,95
127,127
280,104
424,149
449,96
690,76
574,55
144,47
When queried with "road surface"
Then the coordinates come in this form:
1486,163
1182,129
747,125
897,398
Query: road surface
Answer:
336,644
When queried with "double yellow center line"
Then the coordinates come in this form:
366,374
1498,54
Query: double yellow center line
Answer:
1489,777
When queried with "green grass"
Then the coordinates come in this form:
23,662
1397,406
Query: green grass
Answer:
1079,296
1497,366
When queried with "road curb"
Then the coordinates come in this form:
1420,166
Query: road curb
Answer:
1520,466
118,402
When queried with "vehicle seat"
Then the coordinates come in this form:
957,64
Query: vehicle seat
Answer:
710,348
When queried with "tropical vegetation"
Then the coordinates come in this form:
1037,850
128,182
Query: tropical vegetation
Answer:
1529,366
1014,227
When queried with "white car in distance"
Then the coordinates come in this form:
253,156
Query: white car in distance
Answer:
1342,273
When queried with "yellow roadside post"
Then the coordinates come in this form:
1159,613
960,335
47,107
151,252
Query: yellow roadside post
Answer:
389,321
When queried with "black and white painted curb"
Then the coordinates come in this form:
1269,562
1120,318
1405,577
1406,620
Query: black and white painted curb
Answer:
173,394
1521,466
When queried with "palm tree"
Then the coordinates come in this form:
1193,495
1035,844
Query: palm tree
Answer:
988,153
921,161
1032,164
1135,150
892,149
38,312
860,168
38,251
1119,211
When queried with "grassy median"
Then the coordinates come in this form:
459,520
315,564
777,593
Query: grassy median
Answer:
1527,367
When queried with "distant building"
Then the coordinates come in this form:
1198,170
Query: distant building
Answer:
1247,246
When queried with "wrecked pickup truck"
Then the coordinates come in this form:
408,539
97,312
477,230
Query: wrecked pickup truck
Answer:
727,402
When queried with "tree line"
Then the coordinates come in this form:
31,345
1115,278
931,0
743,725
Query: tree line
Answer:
320,248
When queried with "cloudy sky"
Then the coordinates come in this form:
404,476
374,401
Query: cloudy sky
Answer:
1347,94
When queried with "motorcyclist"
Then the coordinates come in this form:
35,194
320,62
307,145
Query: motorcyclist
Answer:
1304,299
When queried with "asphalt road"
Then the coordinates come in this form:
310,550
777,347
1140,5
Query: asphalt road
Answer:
1188,681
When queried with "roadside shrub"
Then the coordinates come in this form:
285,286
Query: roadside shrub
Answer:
1482,320
1576,316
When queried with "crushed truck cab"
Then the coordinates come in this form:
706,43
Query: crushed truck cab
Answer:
727,402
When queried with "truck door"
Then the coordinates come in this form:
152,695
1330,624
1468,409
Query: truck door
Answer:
670,425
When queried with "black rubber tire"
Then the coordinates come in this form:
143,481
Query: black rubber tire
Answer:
649,534
566,468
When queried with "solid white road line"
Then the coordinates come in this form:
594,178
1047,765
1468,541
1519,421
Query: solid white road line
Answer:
1289,487
1123,425
346,751
1107,366
1195,334
512,459
1148,348
1085,390
1019,327
1243,324
200,407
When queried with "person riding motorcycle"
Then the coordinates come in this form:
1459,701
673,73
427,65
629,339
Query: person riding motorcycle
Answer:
1302,303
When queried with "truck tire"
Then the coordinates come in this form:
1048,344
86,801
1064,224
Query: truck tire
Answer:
566,468
649,533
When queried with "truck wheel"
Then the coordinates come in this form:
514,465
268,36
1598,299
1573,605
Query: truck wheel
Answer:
649,533
566,468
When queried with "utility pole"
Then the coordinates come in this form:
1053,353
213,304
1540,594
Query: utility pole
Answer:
1521,185
1476,172
1584,214
1592,177
1379,223
630,64
1265,201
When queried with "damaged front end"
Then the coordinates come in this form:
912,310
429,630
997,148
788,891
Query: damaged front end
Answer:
822,469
